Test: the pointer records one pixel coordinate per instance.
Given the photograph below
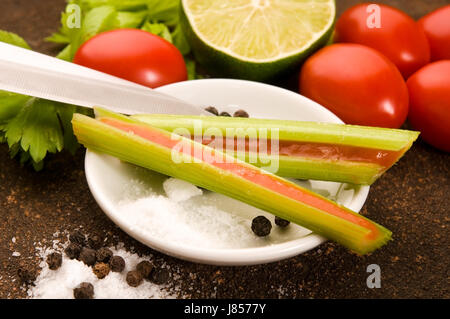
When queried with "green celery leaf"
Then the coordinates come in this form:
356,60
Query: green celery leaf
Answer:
158,29
179,40
10,105
164,11
128,5
190,66
64,33
13,39
14,150
58,37
65,114
37,128
66,53
97,20
37,166
131,20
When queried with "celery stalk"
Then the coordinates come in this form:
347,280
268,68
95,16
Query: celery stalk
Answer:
363,173
140,151
341,134
324,170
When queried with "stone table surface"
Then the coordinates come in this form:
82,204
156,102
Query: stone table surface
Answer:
412,200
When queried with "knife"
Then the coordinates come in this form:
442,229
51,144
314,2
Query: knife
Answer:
31,73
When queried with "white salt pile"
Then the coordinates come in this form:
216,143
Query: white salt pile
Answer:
185,218
59,284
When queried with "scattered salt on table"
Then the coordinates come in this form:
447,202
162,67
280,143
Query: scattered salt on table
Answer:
61,282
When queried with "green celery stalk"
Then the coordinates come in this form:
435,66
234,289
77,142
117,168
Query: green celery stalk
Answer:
132,148
363,173
340,134
318,169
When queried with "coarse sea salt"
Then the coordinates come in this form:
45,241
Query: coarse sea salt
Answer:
59,284
179,190
179,215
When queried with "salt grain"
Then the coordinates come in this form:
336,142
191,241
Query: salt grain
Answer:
179,190
16,254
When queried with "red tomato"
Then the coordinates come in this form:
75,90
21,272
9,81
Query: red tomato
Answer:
134,55
394,34
437,29
429,91
358,84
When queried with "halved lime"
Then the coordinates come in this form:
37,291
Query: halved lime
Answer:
256,39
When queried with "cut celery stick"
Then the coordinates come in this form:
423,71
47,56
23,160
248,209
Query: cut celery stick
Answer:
276,195
316,169
303,167
340,134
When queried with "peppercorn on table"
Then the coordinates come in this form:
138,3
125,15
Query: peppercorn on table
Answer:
410,199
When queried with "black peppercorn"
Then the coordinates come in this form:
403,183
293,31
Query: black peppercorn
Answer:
26,275
281,222
261,226
87,255
224,114
73,251
104,254
117,264
134,278
77,237
54,261
240,113
144,267
212,109
95,242
159,276
101,270
84,291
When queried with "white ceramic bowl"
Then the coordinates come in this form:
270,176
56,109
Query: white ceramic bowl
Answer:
107,176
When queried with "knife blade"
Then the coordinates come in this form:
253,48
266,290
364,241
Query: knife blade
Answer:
31,73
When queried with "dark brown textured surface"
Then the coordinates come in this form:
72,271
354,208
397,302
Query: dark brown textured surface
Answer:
412,200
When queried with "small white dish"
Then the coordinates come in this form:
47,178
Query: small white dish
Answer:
112,181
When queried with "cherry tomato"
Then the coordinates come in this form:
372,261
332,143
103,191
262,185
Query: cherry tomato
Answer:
358,84
437,29
429,91
387,30
134,55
